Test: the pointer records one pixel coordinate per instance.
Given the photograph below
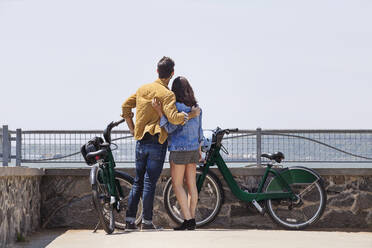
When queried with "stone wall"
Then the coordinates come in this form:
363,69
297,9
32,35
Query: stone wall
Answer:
66,200
19,203
349,202
55,198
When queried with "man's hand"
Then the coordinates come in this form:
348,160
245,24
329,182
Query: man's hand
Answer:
156,104
195,112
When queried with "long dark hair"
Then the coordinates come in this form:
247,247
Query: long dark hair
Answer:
183,91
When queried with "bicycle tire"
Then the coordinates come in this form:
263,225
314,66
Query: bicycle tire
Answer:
101,197
304,212
202,215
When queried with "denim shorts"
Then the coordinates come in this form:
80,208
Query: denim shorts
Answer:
184,157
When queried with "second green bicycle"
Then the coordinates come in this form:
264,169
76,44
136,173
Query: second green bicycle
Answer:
293,197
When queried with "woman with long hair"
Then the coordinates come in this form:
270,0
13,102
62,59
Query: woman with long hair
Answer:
184,145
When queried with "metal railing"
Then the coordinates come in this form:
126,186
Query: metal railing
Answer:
316,146
1,145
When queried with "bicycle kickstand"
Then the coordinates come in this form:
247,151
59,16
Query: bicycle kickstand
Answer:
258,207
96,228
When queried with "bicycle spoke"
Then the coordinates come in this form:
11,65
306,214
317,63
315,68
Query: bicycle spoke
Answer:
308,189
177,210
210,190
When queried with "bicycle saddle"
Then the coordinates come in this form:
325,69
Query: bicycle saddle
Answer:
278,156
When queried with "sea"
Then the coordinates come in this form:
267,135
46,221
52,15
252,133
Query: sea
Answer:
320,150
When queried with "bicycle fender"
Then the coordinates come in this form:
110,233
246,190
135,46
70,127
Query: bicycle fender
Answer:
92,175
293,175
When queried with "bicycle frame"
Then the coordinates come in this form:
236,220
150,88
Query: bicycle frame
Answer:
216,158
108,176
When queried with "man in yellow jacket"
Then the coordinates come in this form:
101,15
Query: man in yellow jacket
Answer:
151,145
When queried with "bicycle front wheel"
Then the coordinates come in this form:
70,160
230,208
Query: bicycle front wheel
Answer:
311,199
125,183
101,202
209,204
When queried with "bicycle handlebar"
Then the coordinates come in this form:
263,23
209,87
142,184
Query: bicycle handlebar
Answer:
226,131
107,131
234,130
114,124
219,133
231,130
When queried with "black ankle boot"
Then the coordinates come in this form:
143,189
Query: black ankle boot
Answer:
185,225
191,224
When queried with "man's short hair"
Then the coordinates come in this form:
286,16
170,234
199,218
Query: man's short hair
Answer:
165,67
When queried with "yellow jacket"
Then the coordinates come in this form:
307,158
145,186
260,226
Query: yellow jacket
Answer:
147,120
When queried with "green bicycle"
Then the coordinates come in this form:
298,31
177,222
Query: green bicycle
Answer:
294,197
110,188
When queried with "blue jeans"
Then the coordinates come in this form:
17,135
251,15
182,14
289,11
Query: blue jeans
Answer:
150,155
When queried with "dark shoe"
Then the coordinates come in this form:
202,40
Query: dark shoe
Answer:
187,224
183,226
192,224
129,226
150,227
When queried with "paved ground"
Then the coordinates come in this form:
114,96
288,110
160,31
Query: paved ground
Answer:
201,238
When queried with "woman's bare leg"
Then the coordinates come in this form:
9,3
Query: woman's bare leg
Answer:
178,172
191,188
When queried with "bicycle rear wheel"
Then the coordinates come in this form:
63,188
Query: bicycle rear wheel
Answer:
209,204
307,209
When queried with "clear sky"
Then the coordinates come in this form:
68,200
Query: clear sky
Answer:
272,64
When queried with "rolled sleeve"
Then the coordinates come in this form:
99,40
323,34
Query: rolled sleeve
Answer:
127,107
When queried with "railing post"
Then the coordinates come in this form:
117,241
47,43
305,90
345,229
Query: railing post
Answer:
6,146
18,147
258,146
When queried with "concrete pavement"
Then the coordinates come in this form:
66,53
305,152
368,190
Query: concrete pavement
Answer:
218,238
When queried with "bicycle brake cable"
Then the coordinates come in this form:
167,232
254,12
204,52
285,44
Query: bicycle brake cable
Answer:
115,148
224,149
